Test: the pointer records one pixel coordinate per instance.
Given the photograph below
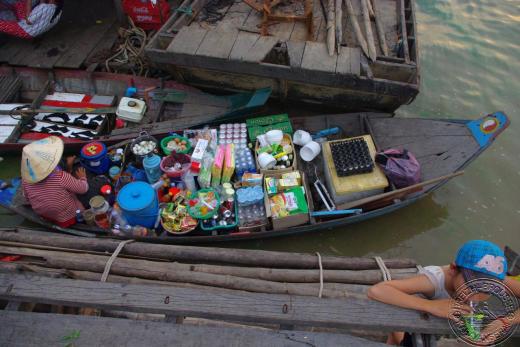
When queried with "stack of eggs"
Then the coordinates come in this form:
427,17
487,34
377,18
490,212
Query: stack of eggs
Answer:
143,147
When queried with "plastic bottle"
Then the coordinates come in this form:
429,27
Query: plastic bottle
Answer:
189,181
117,218
79,217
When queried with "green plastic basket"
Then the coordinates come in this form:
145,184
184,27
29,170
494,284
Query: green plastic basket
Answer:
222,227
164,144
194,212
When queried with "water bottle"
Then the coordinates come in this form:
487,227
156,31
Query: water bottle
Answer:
79,217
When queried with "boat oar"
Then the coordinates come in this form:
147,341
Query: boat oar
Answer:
397,192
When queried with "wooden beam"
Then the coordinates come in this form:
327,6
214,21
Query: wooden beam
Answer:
401,22
243,307
43,329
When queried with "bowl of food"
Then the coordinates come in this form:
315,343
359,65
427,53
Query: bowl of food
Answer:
177,143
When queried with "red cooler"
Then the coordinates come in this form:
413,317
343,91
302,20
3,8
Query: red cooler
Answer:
147,14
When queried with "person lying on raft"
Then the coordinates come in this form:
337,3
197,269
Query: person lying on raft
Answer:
20,19
439,285
49,189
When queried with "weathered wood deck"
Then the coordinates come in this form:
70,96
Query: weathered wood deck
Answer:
231,54
86,28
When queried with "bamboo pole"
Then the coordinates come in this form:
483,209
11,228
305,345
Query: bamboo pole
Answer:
331,28
157,270
242,257
372,52
357,30
380,30
339,24
160,271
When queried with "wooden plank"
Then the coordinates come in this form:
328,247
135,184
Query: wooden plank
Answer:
217,44
85,43
187,40
43,329
260,49
243,44
51,47
343,65
295,51
245,307
355,61
252,47
401,91
315,57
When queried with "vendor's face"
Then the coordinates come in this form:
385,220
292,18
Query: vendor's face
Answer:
460,284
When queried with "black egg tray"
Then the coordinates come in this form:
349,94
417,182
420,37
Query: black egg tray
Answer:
351,157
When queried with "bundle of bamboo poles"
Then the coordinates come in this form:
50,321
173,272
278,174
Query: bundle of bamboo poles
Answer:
334,18
57,255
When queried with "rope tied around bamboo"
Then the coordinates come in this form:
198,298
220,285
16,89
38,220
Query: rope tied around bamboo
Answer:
191,254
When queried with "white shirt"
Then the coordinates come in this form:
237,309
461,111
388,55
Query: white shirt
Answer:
436,276
40,17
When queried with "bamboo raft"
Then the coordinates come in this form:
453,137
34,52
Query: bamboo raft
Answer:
358,54
193,296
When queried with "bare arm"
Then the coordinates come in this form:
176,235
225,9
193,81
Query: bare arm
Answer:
401,293
75,185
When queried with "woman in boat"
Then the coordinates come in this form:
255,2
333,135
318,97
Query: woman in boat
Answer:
20,19
49,189
477,261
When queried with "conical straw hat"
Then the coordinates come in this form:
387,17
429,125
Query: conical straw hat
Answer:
40,158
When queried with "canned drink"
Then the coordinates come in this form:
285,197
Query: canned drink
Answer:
236,126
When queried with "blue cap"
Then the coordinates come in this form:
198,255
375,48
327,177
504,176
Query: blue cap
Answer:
481,259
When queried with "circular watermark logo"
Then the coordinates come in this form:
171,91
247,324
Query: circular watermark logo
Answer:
482,312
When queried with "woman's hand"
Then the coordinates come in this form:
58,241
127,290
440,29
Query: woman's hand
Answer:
81,173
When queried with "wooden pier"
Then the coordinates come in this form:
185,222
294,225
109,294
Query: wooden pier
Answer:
232,54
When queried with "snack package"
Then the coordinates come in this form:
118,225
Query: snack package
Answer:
270,185
200,149
218,162
229,163
295,200
288,203
204,177
251,179
293,175
287,183
277,205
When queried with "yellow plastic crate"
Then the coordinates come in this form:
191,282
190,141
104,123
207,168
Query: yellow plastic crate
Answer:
355,183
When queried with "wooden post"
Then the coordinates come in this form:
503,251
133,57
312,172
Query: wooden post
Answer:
357,30
372,53
331,28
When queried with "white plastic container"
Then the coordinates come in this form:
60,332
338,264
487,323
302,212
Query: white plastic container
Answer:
131,110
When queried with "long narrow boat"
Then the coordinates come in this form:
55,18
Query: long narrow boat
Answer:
442,147
173,105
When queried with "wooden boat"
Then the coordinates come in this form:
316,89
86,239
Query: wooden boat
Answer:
222,47
442,147
170,104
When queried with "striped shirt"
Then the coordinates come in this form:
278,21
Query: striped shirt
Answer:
54,198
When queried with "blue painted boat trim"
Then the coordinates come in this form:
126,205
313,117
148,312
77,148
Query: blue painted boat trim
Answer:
485,138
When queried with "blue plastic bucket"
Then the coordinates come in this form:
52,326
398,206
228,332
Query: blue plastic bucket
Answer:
139,203
94,157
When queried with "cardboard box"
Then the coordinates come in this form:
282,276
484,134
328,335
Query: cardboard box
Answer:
294,220
293,167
